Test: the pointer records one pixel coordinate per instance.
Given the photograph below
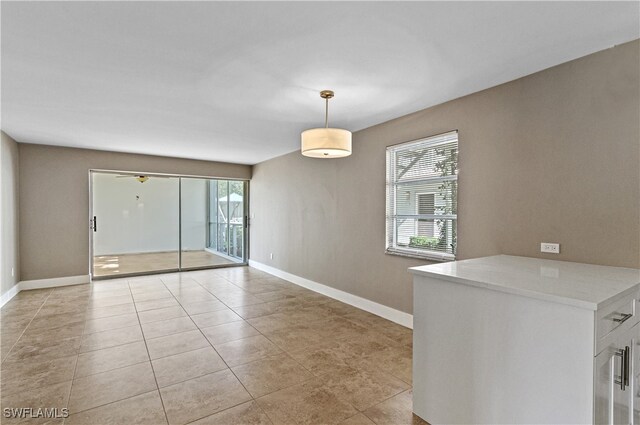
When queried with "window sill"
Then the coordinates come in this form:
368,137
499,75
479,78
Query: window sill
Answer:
431,256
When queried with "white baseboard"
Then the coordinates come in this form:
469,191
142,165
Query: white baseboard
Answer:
53,282
397,316
26,285
12,292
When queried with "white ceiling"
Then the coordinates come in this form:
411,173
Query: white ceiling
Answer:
238,82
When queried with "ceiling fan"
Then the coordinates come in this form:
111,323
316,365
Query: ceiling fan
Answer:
140,177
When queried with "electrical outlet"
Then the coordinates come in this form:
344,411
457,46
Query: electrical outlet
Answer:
550,248
271,256
13,272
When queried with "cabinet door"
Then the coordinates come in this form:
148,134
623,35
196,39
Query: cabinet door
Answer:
635,374
613,389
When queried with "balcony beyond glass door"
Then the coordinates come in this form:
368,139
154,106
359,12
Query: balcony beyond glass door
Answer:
227,219
212,222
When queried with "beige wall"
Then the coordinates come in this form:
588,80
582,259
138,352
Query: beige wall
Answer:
551,157
54,201
9,248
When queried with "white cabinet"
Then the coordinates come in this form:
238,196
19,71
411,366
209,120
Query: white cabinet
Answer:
613,387
518,340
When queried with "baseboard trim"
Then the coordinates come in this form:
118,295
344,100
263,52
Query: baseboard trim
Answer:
25,285
397,316
11,292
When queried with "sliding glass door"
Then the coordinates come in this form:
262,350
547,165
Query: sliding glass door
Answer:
131,218
227,218
156,223
213,222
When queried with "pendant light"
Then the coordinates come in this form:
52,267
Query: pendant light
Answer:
326,142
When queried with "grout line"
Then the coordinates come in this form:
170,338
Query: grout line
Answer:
75,367
26,327
200,285
221,358
214,348
149,356
110,370
253,361
112,402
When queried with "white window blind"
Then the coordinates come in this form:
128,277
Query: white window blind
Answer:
422,197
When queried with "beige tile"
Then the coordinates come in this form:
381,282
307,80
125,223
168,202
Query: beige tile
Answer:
271,374
366,319
309,403
338,328
238,299
110,292
248,413
397,410
140,287
396,360
110,301
112,338
115,310
27,351
314,297
191,293
296,337
157,294
144,409
109,285
55,320
203,396
398,333
107,387
358,419
339,308
108,323
273,322
176,344
258,310
259,286
111,358
52,397
351,357
64,305
214,318
156,304
276,295
167,327
203,307
161,314
184,366
325,358
229,332
44,336
24,376
363,388
246,350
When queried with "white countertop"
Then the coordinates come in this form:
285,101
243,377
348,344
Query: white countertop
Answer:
581,285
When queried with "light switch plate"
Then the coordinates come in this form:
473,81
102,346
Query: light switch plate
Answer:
550,248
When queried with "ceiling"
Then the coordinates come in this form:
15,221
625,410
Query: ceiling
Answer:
239,81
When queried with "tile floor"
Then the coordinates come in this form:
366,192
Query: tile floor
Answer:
224,346
113,265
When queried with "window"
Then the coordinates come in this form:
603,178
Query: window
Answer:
422,197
